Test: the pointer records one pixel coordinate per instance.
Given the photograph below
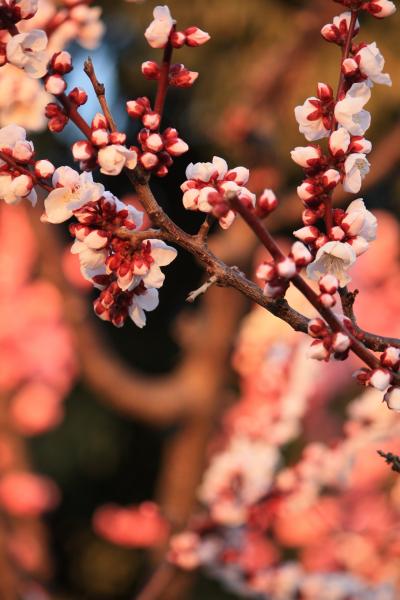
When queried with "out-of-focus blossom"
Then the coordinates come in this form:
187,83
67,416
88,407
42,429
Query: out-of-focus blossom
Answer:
158,32
28,52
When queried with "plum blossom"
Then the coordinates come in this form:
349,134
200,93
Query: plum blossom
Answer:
142,300
349,112
91,252
380,8
23,99
238,477
356,167
392,398
310,120
72,191
28,52
24,8
112,159
371,63
339,142
209,185
13,190
359,221
158,32
338,29
13,138
334,258
306,156
159,254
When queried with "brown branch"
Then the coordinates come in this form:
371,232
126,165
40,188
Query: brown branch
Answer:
99,90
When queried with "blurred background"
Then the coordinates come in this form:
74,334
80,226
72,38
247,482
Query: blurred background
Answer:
140,407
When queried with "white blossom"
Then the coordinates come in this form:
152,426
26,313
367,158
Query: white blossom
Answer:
159,30
28,52
145,301
112,159
349,112
371,63
359,221
13,190
356,167
151,275
392,398
71,192
310,121
334,258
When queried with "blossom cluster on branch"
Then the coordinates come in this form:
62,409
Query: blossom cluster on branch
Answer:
123,262
245,483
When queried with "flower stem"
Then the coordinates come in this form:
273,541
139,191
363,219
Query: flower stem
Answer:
163,82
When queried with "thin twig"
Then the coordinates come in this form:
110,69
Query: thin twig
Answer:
202,289
391,459
99,90
375,342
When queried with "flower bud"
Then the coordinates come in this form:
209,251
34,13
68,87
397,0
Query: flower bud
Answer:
391,358
151,70
325,92
149,160
151,120
82,150
78,96
340,342
266,203
392,398
22,151
176,147
328,284
327,300
117,137
177,39
286,268
308,235
330,179
100,137
349,67
55,84
61,62
154,142
99,121
380,379
318,351
317,328
301,254
266,271
44,168
195,36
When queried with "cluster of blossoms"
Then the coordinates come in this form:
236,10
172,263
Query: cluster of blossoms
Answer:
259,506
344,121
30,34
209,186
318,508
156,149
128,274
38,371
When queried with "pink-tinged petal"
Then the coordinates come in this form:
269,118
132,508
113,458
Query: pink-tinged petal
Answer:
56,206
162,253
154,278
221,166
